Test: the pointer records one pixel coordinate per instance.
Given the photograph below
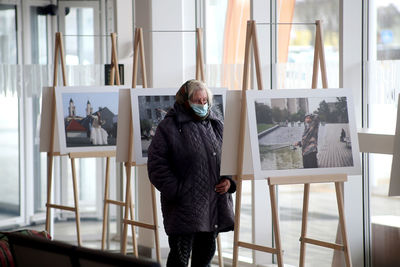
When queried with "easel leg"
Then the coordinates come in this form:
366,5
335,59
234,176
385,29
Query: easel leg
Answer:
49,189
155,220
220,258
275,219
128,207
339,198
306,198
135,248
105,209
236,232
127,197
76,200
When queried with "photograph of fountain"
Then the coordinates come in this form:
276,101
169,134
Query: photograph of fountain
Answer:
303,132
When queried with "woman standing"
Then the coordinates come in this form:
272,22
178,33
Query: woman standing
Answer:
184,161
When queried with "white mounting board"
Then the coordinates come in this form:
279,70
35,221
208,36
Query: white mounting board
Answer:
45,122
231,137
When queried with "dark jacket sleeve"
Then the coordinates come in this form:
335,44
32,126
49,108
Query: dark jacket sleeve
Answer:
158,166
232,188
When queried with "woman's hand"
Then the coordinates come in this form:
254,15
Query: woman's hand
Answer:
223,186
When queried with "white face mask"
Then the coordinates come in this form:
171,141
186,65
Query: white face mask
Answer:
200,110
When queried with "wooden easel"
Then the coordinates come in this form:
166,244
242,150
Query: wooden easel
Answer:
338,179
137,48
199,55
114,77
200,77
73,155
59,51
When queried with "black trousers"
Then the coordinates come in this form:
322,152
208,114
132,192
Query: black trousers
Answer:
310,160
202,246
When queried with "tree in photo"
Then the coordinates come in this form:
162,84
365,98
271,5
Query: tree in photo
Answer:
263,113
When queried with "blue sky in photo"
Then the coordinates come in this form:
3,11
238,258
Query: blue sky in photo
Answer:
106,99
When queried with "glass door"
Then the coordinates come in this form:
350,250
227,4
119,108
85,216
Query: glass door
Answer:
36,58
383,88
79,22
10,200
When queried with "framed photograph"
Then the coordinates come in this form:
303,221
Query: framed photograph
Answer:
149,107
302,132
87,118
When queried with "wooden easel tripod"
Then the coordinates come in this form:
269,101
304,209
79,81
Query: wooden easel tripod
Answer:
338,179
138,48
59,52
114,77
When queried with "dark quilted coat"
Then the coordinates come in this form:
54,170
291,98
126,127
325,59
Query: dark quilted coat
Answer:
184,164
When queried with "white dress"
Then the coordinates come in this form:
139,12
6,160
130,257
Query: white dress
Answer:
98,136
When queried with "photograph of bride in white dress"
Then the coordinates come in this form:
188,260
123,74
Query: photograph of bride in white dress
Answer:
90,119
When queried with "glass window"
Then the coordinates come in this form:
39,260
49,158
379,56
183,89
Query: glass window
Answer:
9,156
387,29
39,159
224,43
38,37
9,120
8,35
79,21
224,57
79,31
38,56
295,43
383,90
294,57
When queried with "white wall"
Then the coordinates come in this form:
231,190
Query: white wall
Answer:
350,74
173,50
124,29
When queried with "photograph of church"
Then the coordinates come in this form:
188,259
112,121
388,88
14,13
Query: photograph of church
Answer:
90,119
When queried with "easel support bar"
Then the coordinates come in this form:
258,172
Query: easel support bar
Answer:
54,154
115,202
140,224
307,179
132,164
257,247
246,177
322,243
54,206
99,154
